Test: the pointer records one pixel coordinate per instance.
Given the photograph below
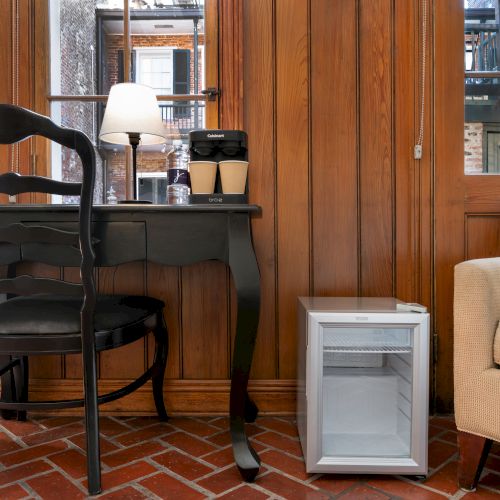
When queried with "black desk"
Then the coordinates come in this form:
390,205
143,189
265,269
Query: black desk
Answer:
175,235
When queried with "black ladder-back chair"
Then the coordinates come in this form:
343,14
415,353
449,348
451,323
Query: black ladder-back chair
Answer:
49,316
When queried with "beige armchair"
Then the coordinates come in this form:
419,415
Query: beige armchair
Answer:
476,364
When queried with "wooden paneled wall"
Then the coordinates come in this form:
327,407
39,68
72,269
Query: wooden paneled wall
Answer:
330,103
331,108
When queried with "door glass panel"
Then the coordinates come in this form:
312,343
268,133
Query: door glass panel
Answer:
367,391
482,87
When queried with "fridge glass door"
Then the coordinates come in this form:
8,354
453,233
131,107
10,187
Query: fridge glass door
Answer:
367,391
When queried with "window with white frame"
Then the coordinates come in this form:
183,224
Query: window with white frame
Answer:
154,67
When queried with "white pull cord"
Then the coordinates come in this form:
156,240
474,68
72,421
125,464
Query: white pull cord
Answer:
417,153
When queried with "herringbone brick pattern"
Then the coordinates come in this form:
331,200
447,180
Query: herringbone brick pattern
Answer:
191,458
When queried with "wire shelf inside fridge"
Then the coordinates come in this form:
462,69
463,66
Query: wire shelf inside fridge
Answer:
368,349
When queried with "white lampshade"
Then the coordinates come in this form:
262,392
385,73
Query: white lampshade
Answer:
132,108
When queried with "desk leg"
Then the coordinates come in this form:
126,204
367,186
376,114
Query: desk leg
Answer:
245,271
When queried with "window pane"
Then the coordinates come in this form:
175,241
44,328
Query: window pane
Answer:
482,95
79,53
65,163
168,42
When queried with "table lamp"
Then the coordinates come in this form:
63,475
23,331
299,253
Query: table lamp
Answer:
132,117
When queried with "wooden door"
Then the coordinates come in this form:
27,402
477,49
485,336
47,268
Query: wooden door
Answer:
467,207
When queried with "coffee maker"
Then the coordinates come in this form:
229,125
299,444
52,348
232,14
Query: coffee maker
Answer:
218,145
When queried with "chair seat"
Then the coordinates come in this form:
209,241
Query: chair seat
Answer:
60,315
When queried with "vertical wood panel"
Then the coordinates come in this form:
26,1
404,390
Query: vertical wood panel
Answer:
25,87
164,283
127,361
6,79
205,336
334,147
211,60
449,182
259,124
292,147
231,63
375,145
407,90
413,178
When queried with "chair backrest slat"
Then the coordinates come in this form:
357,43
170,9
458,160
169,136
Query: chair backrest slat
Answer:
20,233
28,285
12,183
38,239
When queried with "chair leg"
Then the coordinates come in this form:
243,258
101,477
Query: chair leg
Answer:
21,381
159,365
8,389
92,421
473,451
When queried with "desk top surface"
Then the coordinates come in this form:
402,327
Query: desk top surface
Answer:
136,208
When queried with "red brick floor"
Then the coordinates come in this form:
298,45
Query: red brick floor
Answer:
191,458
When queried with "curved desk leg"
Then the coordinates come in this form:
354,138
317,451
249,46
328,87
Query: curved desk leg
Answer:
243,265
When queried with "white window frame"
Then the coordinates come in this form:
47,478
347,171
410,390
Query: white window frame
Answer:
141,52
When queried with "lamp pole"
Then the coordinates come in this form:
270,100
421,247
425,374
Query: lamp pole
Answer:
134,142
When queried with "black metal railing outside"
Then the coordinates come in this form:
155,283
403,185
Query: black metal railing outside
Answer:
183,115
481,42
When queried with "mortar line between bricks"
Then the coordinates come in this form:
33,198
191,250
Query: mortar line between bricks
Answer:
128,483
151,454
171,473
282,434
147,493
34,459
490,488
272,496
348,489
15,438
224,468
30,490
135,461
439,440
379,489
459,494
453,458
281,452
296,479
114,440
253,486
269,447
186,454
33,476
132,484
424,486
217,446
76,482
314,476
229,490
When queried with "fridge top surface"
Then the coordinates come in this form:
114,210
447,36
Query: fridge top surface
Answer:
349,304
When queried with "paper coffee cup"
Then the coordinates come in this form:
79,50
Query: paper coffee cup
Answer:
233,174
202,175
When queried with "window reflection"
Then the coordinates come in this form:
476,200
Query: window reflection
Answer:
482,87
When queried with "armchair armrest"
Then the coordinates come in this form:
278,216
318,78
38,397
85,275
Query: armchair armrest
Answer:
476,318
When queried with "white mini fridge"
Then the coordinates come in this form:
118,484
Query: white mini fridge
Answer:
363,386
